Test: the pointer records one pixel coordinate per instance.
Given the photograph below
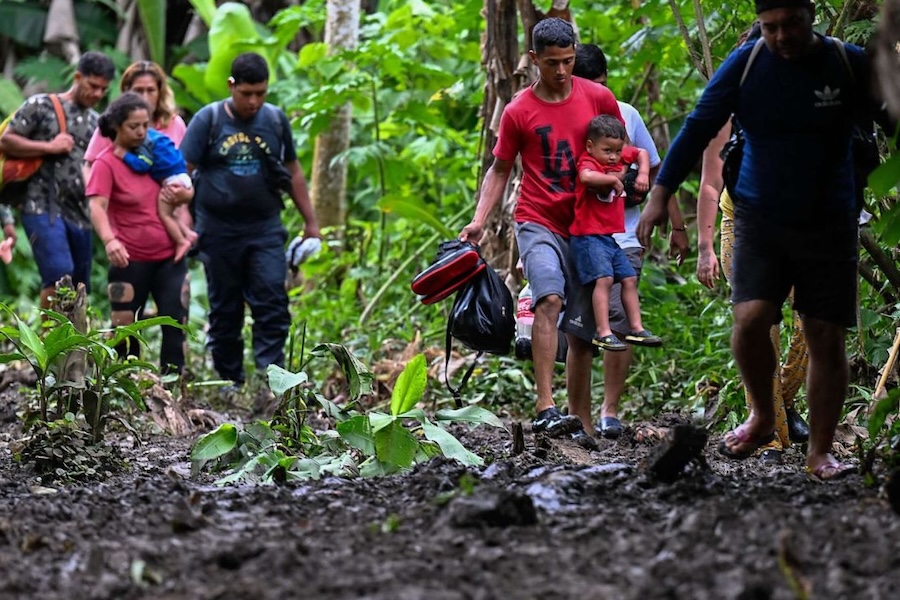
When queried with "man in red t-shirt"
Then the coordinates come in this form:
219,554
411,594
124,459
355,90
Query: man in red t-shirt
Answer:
546,126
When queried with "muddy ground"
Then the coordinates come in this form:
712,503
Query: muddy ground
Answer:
552,522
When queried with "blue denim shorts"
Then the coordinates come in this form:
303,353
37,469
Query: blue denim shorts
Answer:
598,256
59,248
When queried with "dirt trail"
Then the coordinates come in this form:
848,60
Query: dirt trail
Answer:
557,522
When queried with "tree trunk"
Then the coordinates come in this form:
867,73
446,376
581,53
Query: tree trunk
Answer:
71,301
329,177
61,31
887,55
131,34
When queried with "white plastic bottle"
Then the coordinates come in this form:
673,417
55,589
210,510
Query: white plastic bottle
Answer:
524,321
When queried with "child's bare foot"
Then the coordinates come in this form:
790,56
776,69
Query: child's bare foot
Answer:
191,236
182,248
6,250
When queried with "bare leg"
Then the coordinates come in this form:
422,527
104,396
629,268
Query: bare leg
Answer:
600,303
781,441
578,379
173,228
186,223
752,348
615,371
826,386
631,303
543,348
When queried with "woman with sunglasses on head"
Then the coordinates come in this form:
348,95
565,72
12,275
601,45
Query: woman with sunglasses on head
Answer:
148,80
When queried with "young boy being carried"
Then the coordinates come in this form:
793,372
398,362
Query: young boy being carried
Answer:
159,157
599,213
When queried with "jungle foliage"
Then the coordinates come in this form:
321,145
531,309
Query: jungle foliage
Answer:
416,82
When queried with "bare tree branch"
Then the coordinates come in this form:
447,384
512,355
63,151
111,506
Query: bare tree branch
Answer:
704,41
686,36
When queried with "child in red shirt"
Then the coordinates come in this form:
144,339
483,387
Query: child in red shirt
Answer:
599,213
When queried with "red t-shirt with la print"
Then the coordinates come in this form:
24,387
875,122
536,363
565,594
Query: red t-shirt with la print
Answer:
596,216
550,136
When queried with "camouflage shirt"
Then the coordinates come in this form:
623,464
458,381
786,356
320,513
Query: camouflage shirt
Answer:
58,187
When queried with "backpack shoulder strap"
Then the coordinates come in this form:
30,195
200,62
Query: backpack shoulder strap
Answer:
274,114
60,112
753,54
214,123
457,398
842,52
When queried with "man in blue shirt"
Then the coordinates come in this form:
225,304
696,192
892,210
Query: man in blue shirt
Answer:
795,210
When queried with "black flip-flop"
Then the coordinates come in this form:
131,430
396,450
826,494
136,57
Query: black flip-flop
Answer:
610,427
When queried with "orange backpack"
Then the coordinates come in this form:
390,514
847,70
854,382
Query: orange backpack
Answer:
15,170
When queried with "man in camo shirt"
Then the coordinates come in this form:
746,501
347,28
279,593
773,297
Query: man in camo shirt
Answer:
54,209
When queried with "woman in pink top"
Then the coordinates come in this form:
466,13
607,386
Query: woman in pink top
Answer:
148,80
124,214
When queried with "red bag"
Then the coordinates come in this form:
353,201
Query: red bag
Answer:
455,264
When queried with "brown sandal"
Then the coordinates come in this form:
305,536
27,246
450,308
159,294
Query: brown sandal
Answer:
741,436
830,471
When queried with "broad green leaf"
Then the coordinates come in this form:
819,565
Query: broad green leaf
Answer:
416,413
116,368
206,9
245,473
469,414
888,226
305,468
886,176
5,358
334,411
282,380
57,346
218,442
410,385
379,420
358,433
153,17
260,432
232,32
450,446
359,377
23,22
134,330
11,97
375,468
395,445
416,211
884,407
33,343
133,391
192,78
312,53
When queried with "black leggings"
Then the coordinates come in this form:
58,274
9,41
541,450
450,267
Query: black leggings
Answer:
164,279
